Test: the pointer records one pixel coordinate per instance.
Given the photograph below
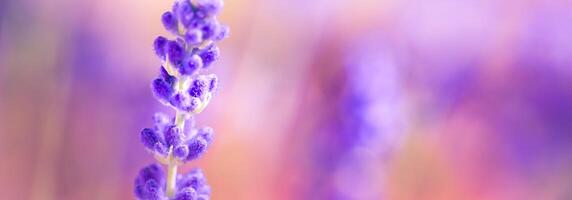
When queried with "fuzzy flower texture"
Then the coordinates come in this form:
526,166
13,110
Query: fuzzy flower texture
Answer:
183,85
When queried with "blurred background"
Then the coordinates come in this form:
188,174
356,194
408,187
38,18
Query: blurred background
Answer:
322,99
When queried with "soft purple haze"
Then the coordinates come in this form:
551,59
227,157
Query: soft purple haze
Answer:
470,99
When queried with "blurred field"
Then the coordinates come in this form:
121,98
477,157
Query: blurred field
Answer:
323,99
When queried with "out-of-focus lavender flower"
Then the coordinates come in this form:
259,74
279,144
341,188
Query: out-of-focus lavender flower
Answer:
373,106
181,86
366,127
374,100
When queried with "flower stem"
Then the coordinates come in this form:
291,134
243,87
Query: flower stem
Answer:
180,120
171,179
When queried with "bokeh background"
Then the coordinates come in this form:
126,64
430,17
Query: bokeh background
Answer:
322,99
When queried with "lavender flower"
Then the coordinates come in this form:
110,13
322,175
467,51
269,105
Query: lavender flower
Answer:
150,184
182,86
166,137
357,136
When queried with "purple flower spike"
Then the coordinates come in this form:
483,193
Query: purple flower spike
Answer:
173,139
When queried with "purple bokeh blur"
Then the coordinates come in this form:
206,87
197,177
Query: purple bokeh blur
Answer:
337,99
